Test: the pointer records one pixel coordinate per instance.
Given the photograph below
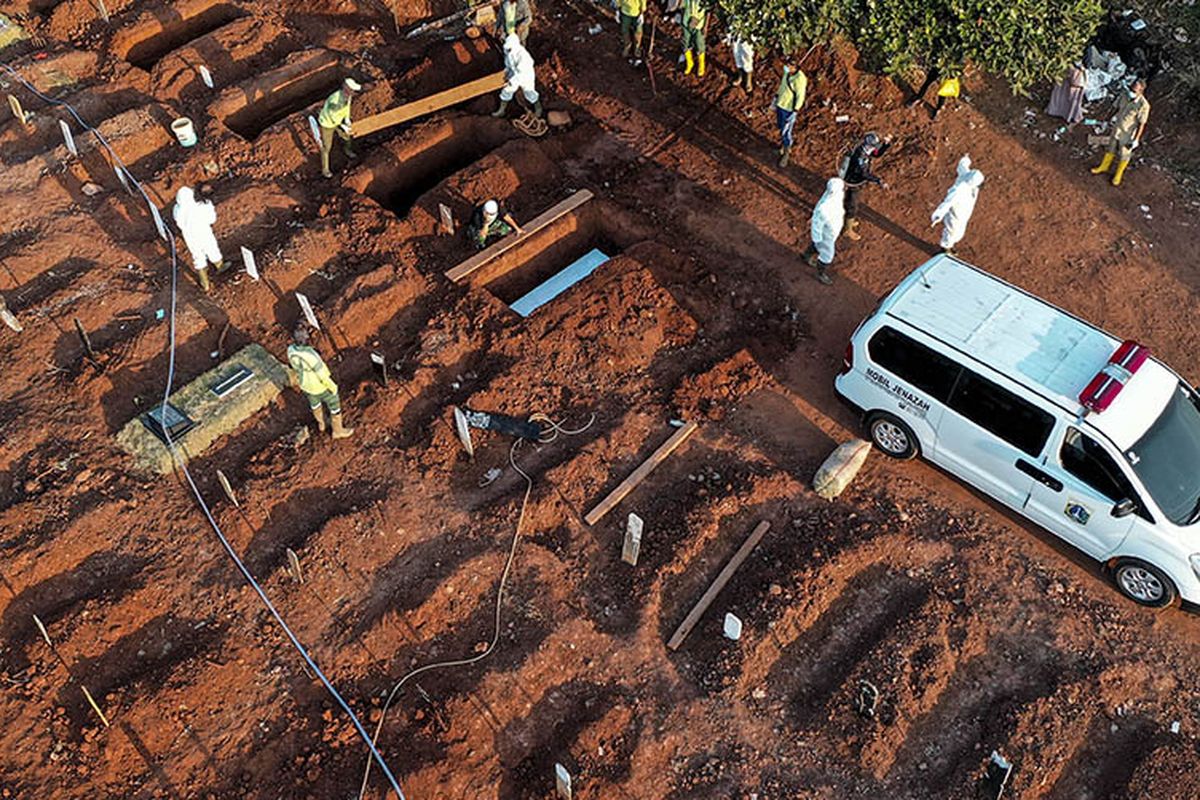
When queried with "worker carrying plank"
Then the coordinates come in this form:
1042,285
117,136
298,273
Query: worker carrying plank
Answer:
518,74
514,16
334,119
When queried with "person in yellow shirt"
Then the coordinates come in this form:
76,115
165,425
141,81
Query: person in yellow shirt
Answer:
310,375
335,119
631,15
788,101
949,88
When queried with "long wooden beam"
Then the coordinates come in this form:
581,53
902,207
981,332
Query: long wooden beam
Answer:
638,475
428,105
717,585
469,267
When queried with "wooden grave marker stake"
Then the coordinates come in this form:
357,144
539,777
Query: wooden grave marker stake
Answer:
249,263
158,221
68,138
294,565
8,317
316,130
18,112
306,307
378,360
447,218
464,431
227,489
95,707
42,628
633,539
84,340
103,9
562,781
120,173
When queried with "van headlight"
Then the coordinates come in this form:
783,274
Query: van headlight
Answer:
1194,560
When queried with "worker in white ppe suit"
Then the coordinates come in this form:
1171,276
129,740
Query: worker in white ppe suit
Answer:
828,217
955,211
518,74
195,221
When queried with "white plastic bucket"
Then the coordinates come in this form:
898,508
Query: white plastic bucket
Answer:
184,132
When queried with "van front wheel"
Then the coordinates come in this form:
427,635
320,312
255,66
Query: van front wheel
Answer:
892,436
1143,583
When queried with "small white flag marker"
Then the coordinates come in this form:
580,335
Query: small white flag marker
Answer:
67,137
306,307
249,263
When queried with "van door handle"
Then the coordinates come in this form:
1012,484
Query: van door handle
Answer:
1044,478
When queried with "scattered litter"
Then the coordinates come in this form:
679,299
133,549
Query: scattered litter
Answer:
1175,726
490,477
91,189
733,627
842,118
159,313
867,698
676,423
594,29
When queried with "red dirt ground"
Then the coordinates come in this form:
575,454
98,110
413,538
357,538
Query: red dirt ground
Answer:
980,631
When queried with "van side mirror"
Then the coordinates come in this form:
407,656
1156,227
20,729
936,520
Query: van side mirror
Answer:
1123,508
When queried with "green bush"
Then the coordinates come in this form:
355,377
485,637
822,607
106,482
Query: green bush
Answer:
1022,41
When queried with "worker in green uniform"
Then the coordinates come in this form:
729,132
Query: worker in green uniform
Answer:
630,16
694,17
1129,123
335,119
310,375
515,16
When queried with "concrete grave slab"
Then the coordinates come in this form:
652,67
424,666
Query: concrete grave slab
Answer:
215,415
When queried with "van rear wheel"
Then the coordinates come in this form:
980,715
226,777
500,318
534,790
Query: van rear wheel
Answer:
1144,584
892,436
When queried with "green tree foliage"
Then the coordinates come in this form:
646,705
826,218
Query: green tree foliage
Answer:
1022,41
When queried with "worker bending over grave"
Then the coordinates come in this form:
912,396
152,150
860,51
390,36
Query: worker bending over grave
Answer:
518,74
514,16
310,375
489,223
335,119
195,221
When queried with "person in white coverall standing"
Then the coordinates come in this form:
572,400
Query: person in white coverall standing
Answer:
955,211
518,74
195,221
828,217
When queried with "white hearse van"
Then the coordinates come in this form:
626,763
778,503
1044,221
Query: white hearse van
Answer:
1084,434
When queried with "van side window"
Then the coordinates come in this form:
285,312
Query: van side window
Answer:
1086,459
994,408
912,361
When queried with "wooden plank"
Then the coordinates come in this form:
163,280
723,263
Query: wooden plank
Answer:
717,585
638,475
428,105
537,224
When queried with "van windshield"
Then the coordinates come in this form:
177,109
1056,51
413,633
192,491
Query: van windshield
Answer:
1167,458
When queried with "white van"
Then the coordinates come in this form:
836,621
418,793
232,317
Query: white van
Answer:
1086,435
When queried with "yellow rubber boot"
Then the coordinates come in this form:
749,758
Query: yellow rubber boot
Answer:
1120,173
700,68
1104,165
687,62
